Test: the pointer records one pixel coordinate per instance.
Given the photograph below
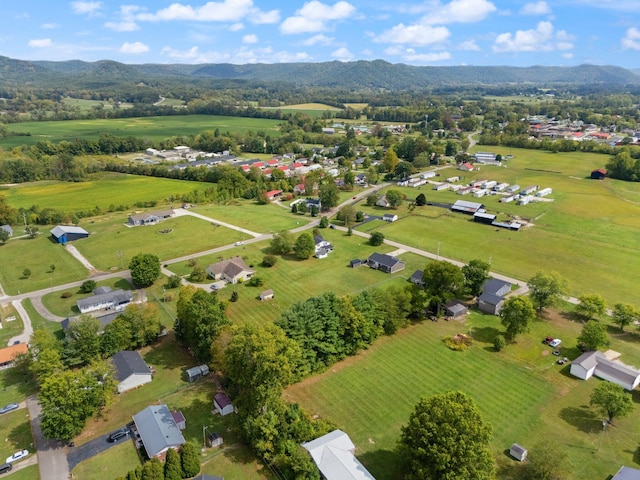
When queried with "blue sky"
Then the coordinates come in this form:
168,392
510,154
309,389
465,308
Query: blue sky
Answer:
430,32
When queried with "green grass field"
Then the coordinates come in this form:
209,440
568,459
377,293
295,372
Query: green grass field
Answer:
521,391
102,190
9,328
113,463
148,128
67,306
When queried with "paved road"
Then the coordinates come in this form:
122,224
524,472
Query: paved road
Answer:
51,455
27,331
92,448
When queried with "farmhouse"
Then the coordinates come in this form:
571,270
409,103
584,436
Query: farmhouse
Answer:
596,363
333,453
222,404
68,233
158,431
386,263
8,229
322,247
470,208
233,270
8,354
266,295
599,174
150,218
383,202
492,297
131,371
105,298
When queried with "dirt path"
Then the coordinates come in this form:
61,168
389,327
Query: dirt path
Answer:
78,256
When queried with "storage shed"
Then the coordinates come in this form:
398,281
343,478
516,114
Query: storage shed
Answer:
518,452
195,373
266,295
223,404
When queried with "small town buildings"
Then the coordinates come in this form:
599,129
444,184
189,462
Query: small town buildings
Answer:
150,218
158,431
525,199
489,184
195,373
480,193
322,247
599,174
466,167
596,363
486,158
518,452
529,190
469,208
508,198
178,417
483,217
544,192
513,188
441,186
9,354
273,194
8,229
500,187
465,190
223,404
266,295
131,371
105,298
427,175
333,453
232,270
492,297
453,179
355,263
214,439
390,217
385,263
68,233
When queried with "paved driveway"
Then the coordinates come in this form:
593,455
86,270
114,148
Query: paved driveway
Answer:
87,450
51,457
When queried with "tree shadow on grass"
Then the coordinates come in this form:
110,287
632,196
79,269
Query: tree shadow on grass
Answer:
169,354
383,463
123,284
485,334
582,418
21,434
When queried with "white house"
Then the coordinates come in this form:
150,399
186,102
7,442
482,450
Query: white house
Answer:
544,192
333,453
105,298
233,270
390,217
596,363
322,247
131,371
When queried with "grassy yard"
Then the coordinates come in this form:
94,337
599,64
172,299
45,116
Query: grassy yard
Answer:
65,307
39,322
148,128
10,328
16,432
530,398
102,189
37,255
109,465
29,473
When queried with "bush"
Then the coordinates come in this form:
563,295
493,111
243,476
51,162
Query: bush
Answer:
255,282
269,260
88,286
377,238
499,343
234,296
197,275
173,281
66,294
458,342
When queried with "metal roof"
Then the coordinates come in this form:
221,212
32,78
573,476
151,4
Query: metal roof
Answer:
62,229
158,429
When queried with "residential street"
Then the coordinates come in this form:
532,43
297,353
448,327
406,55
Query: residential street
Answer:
52,458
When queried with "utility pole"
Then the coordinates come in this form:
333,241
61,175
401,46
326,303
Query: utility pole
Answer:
604,427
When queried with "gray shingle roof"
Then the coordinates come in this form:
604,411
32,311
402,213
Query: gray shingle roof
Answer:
384,259
117,297
127,363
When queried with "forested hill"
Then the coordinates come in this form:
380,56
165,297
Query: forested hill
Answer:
376,74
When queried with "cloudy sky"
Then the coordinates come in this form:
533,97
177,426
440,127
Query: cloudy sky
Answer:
430,32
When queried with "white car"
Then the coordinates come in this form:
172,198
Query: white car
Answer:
555,342
17,456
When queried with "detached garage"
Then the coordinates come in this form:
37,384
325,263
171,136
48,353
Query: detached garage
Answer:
68,233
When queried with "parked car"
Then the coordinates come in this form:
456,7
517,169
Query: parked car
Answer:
555,342
237,244
556,353
117,435
17,456
8,408
547,340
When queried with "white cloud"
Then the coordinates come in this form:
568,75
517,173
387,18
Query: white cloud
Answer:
239,56
469,45
631,40
40,43
251,38
190,54
458,11
542,38
568,56
314,16
622,5
86,8
49,26
342,54
411,56
413,35
127,22
536,8
133,48
319,39
236,27
225,11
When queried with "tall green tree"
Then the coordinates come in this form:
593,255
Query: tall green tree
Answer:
546,289
189,460
329,196
152,470
610,399
172,467
376,239
624,314
304,246
145,269
591,305
395,198
447,439
516,315
593,335
442,281
390,160
547,460
282,243
83,340
476,272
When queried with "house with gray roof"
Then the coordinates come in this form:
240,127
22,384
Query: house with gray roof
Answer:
596,363
232,270
158,431
333,453
493,294
131,370
150,218
105,299
322,247
385,263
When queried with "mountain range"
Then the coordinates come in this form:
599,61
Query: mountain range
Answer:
377,74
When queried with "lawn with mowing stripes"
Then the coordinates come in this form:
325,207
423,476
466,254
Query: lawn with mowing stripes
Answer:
397,371
102,190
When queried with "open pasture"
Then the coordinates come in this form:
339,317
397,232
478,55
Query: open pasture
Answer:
102,190
520,391
588,232
149,128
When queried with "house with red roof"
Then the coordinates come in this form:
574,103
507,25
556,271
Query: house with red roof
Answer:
273,162
467,167
599,174
271,194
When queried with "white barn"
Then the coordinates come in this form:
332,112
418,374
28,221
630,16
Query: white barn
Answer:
596,363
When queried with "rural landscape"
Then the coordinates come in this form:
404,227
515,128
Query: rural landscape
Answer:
230,278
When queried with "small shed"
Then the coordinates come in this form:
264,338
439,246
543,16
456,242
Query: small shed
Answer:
195,373
266,295
455,308
599,174
518,452
223,404
355,263
178,417
215,439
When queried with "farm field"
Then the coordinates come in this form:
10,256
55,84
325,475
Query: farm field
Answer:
531,399
148,128
103,190
590,226
315,110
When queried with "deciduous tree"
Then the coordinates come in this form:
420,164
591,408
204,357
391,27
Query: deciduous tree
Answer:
476,272
145,269
329,196
547,460
447,439
516,315
545,290
442,281
304,246
282,243
624,314
610,399
376,239
421,200
88,286
591,305
395,198
593,335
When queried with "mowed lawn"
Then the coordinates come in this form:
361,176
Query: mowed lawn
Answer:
588,233
110,237
521,391
102,190
148,128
